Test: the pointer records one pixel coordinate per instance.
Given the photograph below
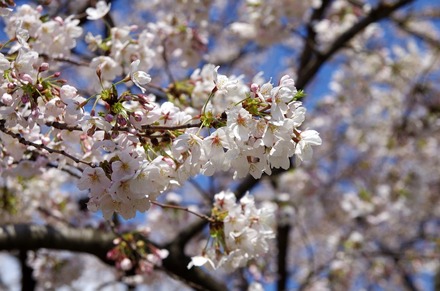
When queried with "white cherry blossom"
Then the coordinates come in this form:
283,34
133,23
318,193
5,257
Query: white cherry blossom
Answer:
94,179
303,149
101,9
139,78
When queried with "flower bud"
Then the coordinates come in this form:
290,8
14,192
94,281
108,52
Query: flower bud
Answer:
43,67
254,88
25,98
121,120
109,118
27,78
126,264
7,99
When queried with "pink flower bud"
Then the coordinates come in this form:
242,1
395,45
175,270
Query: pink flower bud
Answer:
254,87
59,20
121,120
115,134
109,118
112,254
7,99
43,67
25,98
126,264
137,117
26,78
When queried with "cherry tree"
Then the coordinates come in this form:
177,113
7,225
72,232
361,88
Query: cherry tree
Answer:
167,144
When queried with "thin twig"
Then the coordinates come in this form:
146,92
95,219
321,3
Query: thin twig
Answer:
380,12
59,125
162,127
23,141
167,64
65,60
203,216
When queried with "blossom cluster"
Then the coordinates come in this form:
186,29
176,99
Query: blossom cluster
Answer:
132,252
127,148
240,232
54,37
135,141
251,137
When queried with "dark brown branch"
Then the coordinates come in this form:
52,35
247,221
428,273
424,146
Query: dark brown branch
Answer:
401,22
163,127
282,245
33,237
59,125
28,282
380,12
177,263
87,240
310,41
396,256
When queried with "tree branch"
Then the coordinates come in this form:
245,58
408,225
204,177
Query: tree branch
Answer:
401,22
177,263
310,41
282,244
396,257
87,240
27,280
33,237
382,11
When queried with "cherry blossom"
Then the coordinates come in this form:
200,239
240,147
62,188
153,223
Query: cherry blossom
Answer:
303,149
139,78
94,179
244,234
102,8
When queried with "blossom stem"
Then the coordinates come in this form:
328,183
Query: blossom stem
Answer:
207,101
210,219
